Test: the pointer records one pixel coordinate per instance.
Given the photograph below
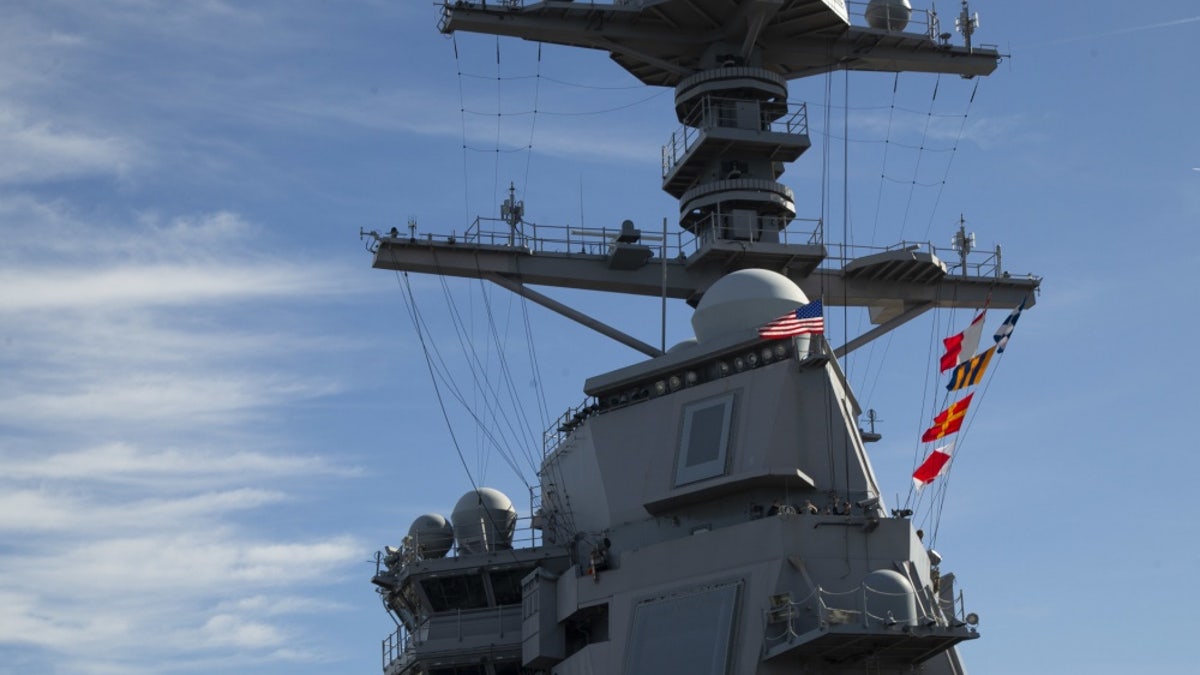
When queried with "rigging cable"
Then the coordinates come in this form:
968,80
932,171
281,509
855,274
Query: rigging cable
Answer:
962,128
418,323
496,150
917,167
462,114
883,168
507,378
474,364
926,408
940,497
825,189
846,237
537,92
410,303
499,130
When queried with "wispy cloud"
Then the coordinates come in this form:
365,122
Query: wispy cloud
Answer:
40,151
121,462
1125,31
134,368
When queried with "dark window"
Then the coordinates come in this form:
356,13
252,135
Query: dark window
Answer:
506,585
704,443
457,592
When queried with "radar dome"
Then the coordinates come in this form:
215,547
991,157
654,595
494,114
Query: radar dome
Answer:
682,345
431,535
888,14
889,597
484,520
744,300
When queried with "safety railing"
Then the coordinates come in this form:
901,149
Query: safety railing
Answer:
566,240
787,618
449,627
395,646
534,238
976,263
711,112
723,226
558,431
527,533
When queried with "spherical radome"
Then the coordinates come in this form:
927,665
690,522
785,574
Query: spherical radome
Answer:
744,300
432,535
888,596
484,520
682,345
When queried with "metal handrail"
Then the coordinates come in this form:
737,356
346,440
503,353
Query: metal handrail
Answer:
711,112
536,239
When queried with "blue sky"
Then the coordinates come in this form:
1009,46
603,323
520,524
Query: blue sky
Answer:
213,412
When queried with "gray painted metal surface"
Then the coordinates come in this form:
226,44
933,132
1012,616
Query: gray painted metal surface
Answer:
712,509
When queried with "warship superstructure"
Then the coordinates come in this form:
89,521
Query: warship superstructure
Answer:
711,508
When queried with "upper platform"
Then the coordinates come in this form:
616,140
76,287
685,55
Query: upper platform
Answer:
661,42
890,280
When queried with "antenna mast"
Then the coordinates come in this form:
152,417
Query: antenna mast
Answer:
512,212
963,243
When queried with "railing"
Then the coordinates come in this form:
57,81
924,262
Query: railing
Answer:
526,534
821,608
714,227
716,111
558,431
565,240
534,238
395,646
977,263
450,628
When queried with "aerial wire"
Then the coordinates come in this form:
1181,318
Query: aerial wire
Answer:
917,167
411,304
950,162
414,314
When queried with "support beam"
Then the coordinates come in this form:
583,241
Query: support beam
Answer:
883,329
574,315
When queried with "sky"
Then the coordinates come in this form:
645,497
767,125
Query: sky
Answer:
213,412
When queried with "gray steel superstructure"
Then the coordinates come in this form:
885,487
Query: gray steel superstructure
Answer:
711,509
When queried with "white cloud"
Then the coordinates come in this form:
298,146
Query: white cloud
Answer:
276,605
165,284
167,599
229,630
121,462
138,328
45,511
133,484
38,151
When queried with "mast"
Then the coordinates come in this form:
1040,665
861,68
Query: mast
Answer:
729,64
713,508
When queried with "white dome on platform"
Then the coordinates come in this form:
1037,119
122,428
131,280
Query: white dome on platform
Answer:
743,300
432,535
484,520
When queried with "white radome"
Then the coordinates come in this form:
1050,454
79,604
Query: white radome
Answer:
745,300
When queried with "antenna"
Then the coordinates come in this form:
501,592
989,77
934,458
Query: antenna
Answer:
966,23
963,243
512,211
871,436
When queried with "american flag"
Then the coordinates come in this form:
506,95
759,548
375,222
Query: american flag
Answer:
808,320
